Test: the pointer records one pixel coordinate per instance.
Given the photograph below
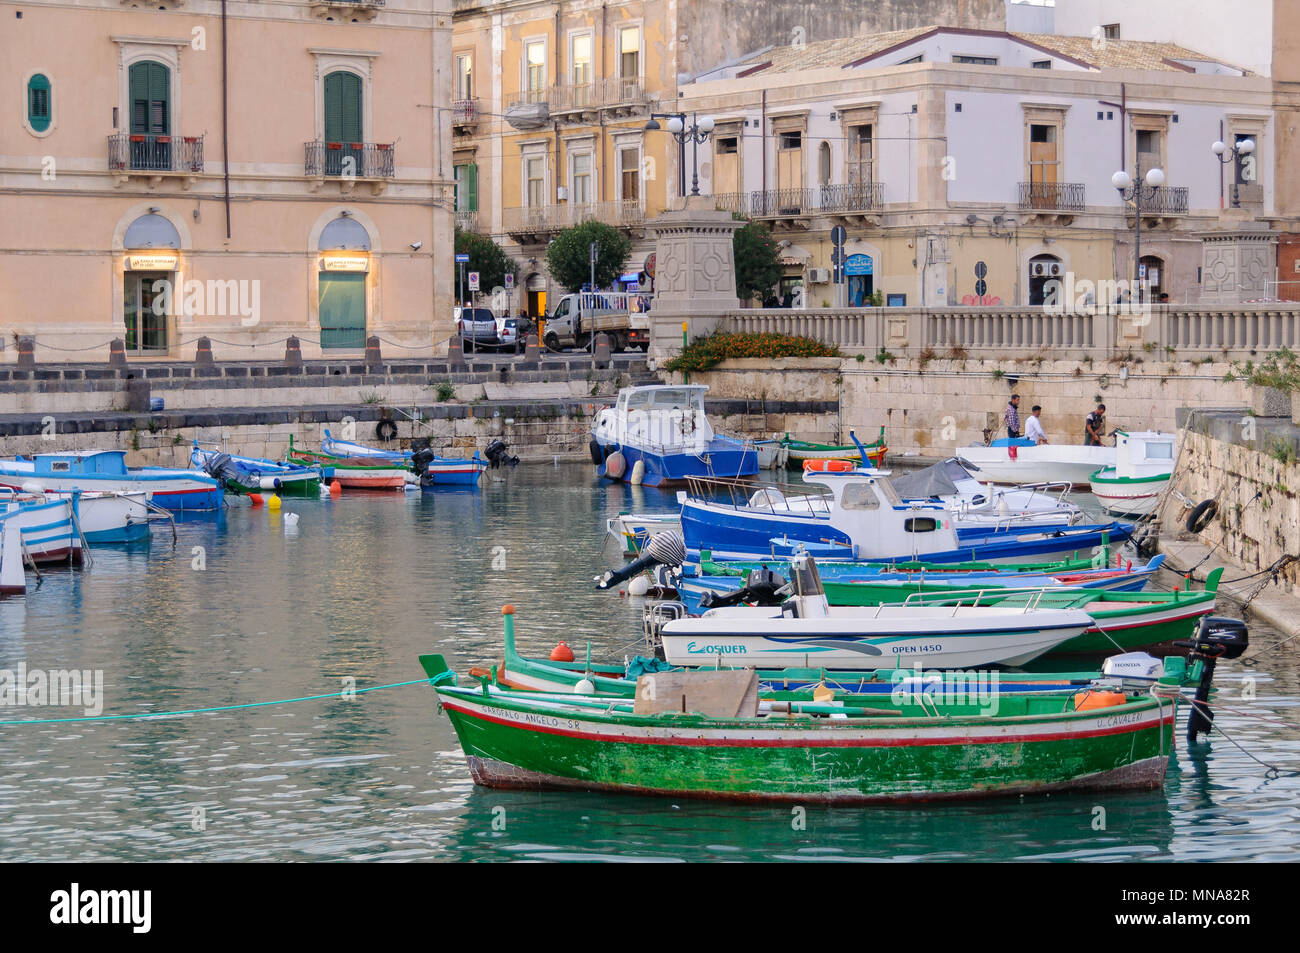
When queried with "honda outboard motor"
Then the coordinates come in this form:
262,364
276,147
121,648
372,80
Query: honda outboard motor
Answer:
421,459
668,549
498,455
1216,638
222,469
761,588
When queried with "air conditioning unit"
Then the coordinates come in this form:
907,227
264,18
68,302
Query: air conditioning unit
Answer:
1056,270
819,276
1037,269
561,194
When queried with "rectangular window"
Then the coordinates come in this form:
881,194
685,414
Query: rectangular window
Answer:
727,147
1111,31
535,180
629,52
580,178
1244,167
1042,64
896,301
464,76
580,60
535,68
790,140
914,59
630,168
466,195
1150,150
976,60
860,171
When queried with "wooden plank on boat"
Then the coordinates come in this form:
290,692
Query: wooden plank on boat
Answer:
723,694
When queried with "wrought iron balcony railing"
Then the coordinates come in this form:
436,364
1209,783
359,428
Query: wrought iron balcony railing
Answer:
467,221
137,152
779,203
1052,196
1164,200
464,112
539,219
361,160
603,94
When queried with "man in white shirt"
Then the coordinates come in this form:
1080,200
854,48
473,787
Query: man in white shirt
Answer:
1034,427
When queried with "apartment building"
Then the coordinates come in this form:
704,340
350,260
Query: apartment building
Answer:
242,171
970,167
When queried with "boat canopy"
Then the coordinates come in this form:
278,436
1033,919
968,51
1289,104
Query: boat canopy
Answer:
112,462
938,480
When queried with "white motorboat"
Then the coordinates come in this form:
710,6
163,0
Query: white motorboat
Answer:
1144,465
1020,462
805,631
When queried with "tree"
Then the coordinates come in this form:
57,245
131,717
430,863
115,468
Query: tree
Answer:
569,258
758,266
486,257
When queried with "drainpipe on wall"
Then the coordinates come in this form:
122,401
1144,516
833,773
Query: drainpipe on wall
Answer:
762,136
225,119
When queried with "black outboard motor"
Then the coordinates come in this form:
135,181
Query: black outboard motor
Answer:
1216,638
668,549
761,588
497,455
421,459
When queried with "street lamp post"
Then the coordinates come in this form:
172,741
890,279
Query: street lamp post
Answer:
1133,191
695,133
1228,155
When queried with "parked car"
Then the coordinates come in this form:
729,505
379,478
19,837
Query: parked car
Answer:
477,328
508,337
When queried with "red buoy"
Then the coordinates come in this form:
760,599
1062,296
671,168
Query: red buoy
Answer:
562,653
255,499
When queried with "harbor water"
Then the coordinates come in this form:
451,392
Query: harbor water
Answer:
247,607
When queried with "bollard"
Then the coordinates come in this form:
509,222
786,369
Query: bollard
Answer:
455,353
137,395
117,353
532,352
203,353
293,352
374,360
26,353
603,355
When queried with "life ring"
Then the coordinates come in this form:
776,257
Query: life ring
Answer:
386,430
1202,515
827,466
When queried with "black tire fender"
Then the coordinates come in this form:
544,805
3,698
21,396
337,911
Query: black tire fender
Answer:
386,430
1200,517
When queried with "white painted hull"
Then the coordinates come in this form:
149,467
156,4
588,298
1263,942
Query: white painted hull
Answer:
1046,463
1134,500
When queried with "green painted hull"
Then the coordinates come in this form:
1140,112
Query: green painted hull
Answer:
307,489
513,740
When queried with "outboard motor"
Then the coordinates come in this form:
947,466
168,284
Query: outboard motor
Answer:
498,455
222,469
762,587
1216,638
421,459
668,549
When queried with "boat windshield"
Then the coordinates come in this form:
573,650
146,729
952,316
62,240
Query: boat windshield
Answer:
807,580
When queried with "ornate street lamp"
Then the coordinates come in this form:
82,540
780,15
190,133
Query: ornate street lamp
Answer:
1131,191
695,133
1229,155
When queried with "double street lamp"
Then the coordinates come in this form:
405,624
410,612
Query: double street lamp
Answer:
1134,191
696,132
1228,155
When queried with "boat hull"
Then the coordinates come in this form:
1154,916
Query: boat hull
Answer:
1046,463
1128,496
508,745
452,473
720,458
190,492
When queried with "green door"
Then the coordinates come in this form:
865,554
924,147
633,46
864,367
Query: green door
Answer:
150,93
343,124
342,310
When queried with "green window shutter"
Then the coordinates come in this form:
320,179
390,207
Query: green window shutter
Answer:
343,310
456,189
38,103
150,91
471,175
342,107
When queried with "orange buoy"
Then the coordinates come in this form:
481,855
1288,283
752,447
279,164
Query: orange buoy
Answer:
828,466
255,499
562,653
336,488
1083,701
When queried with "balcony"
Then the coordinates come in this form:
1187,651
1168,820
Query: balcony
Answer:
464,116
613,98
467,221
532,224
349,162
155,156
346,9
796,207
1051,203
1160,202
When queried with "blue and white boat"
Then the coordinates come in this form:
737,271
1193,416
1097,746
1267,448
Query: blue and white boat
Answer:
106,471
252,474
865,520
659,434
348,449
45,527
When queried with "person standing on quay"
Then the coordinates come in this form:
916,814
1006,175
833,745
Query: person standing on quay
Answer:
1011,416
1034,427
1094,427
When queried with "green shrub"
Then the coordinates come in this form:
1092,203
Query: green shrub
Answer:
706,352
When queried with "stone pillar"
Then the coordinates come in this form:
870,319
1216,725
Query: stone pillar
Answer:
137,395
603,354
1237,266
455,353
293,352
532,352
26,353
203,353
117,353
374,360
695,274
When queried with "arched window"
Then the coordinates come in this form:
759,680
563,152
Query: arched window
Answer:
343,124
1045,277
40,107
824,164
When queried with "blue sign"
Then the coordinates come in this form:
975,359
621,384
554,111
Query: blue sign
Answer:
858,265
462,258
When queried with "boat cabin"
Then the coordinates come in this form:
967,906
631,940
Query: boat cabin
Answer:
866,507
99,462
658,416
1143,453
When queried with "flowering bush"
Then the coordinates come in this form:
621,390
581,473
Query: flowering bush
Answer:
706,352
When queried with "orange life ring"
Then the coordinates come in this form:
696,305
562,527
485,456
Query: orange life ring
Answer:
828,466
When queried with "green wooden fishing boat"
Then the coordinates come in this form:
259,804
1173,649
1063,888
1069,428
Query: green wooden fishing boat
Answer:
869,749
801,450
353,472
